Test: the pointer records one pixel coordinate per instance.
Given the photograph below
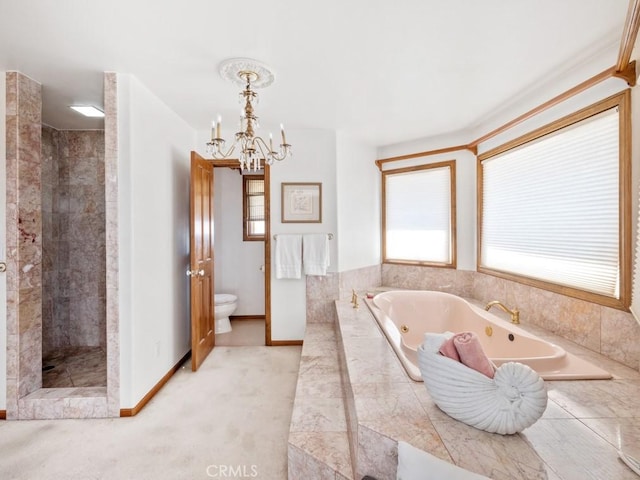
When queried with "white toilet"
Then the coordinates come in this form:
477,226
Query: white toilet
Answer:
225,305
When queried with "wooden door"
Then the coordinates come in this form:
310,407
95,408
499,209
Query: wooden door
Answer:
201,268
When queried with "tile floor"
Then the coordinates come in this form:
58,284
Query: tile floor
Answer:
75,367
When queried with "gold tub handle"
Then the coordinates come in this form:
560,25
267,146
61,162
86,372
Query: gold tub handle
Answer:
404,328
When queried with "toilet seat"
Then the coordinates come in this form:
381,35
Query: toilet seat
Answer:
224,298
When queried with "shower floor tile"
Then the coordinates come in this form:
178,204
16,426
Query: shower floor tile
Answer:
75,367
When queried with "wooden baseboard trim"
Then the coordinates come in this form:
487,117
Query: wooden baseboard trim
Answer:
3,414
285,343
247,317
130,412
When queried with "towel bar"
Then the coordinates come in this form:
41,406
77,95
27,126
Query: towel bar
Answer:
330,235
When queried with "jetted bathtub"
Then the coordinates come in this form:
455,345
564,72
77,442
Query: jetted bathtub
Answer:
405,315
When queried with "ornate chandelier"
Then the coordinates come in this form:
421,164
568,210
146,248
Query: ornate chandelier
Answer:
253,150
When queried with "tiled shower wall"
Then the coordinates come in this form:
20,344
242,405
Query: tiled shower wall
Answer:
73,218
611,332
112,253
25,397
24,239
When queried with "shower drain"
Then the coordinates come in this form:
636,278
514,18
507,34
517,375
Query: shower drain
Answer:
46,368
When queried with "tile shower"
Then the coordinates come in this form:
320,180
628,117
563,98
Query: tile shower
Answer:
73,258
38,257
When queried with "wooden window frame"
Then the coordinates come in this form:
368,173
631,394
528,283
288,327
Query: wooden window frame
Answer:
451,164
246,236
623,102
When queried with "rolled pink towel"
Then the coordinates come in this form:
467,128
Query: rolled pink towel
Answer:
448,349
471,353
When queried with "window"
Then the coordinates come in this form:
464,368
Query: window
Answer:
554,206
253,207
418,215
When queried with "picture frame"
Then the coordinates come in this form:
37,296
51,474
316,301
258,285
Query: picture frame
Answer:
301,202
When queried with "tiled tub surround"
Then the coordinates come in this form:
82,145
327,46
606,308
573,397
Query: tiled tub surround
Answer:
613,333
318,441
577,437
322,291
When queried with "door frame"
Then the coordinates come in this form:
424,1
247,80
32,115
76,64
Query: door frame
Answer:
234,163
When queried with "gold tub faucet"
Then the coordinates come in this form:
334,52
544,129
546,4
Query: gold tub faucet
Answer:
354,298
515,313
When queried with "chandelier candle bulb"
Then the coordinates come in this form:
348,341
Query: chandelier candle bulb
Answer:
218,127
213,129
284,140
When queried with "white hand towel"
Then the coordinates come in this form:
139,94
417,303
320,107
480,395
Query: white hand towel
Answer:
315,253
288,256
433,341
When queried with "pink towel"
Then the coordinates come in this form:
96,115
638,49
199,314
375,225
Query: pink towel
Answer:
471,353
465,348
448,349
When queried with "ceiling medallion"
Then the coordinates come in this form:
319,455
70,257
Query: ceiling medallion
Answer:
253,149
236,69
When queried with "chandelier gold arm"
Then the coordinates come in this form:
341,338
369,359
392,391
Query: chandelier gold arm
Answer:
215,147
267,152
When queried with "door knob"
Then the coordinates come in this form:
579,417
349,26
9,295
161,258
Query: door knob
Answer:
3,267
195,273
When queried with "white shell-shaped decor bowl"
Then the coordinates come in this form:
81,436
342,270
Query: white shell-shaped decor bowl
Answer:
508,403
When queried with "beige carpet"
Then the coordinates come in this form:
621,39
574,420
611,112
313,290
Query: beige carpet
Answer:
228,420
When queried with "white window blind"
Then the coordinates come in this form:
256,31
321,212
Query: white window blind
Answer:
418,215
254,223
550,208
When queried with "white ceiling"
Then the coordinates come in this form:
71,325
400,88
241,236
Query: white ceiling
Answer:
383,71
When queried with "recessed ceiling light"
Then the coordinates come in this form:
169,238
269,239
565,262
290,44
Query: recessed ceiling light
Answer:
87,111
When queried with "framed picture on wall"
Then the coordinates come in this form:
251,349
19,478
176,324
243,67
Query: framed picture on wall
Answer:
301,202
